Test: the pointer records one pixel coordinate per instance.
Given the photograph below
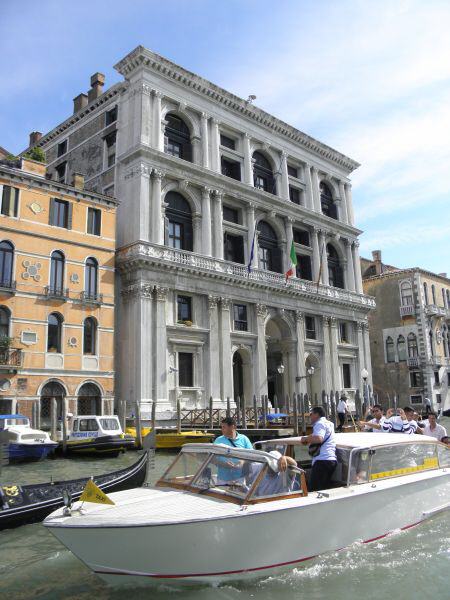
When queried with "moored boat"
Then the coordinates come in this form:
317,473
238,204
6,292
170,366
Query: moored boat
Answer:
22,441
97,435
222,514
32,503
170,439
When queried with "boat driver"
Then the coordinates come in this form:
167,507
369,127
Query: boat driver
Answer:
324,461
231,469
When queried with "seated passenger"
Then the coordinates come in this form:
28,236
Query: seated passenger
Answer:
231,469
279,481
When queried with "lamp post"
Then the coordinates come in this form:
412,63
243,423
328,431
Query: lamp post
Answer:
309,374
364,376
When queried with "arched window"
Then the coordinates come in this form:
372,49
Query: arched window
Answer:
177,138
335,271
326,201
54,334
445,340
390,350
406,293
401,348
179,232
6,264
448,298
431,340
262,173
91,278
425,293
89,336
444,304
89,400
5,316
51,390
433,293
413,350
269,254
57,273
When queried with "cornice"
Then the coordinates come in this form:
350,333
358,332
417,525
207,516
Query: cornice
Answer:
142,57
403,272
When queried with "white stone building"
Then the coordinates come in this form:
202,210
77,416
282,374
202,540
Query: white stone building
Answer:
203,176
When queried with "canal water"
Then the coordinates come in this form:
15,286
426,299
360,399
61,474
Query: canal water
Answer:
406,565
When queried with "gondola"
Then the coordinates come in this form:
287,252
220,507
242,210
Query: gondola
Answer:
32,503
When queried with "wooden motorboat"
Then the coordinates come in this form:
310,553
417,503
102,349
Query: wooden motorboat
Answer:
221,514
32,503
97,435
22,442
172,440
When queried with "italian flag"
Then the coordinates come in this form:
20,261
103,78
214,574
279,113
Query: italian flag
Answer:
293,261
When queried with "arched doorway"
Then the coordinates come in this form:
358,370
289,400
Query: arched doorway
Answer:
242,375
278,343
52,389
89,400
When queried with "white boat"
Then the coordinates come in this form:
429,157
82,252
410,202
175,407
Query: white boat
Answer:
97,435
221,514
24,442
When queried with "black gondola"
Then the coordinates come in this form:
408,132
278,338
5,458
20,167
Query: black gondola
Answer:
32,503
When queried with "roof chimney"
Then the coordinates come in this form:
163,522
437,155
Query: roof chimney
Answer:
79,102
376,257
78,181
35,136
97,83
442,275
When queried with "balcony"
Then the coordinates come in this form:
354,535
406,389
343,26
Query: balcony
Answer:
433,309
7,287
437,361
146,253
11,359
55,293
407,310
91,299
413,362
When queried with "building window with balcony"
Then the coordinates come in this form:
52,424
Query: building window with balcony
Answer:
233,246
294,195
415,379
436,378
60,213
303,269
227,142
179,222
390,350
269,254
54,333
262,173
110,149
60,171
10,200
326,201
185,369
230,214
110,116
425,293
240,317
5,318
6,264
406,294
413,350
310,328
177,138
62,148
335,271
301,236
94,221
230,168
57,274
90,336
91,278
401,348
433,294
347,375
184,309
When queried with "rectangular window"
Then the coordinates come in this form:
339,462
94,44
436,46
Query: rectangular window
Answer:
231,168
175,235
240,317
62,148
416,399
415,379
301,236
174,148
59,213
294,195
448,378
343,333
94,221
184,308
233,246
436,378
303,270
10,201
110,116
230,214
110,143
227,142
438,398
185,369
292,171
347,375
310,328
61,172
261,182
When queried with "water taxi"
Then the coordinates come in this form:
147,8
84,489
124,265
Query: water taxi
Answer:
221,514
171,439
23,442
97,435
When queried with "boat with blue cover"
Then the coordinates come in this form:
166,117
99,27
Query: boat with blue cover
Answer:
22,441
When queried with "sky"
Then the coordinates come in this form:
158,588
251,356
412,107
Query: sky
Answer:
369,78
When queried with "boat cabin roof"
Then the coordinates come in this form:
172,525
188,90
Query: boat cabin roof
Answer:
224,450
96,417
363,439
13,417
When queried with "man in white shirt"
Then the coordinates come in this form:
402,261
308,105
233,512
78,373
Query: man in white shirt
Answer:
375,424
324,458
342,410
433,428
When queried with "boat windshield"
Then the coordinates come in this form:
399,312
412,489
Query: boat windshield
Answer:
4,423
110,424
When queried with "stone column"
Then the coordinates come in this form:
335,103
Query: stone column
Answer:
366,342
349,202
205,144
251,232
157,235
218,224
309,203
344,211
323,256
206,222
357,268
315,189
327,365
350,266
261,374
160,346
146,115
284,188
335,370
248,168
197,230
215,146
226,362
214,349
137,224
361,356
316,252
300,386
289,237
197,150
158,138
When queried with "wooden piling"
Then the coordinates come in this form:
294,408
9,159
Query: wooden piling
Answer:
53,419
264,411
244,413
302,413
295,407
138,425
153,415
238,411
123,414
211,416
64,425
255,411
178,415
228,407
275,403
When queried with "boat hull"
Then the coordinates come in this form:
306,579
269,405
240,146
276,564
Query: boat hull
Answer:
108,446
253,542
24,451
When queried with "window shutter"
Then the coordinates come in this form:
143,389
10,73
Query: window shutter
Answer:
51,212
69,215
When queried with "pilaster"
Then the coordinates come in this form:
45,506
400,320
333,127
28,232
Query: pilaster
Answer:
218,224
350,266
205,144
215,146
357,268
226,362
206,221
335,370
324,257
261,371
160,347
301,386
248,170
157,233
284,177
214,349
344,212
327,365
315,189
158,138
349,202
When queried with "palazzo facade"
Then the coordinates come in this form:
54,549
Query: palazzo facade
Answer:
207,184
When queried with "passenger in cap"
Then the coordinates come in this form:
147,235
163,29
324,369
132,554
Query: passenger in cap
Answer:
277,480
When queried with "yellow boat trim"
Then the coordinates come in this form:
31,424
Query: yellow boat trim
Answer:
428,463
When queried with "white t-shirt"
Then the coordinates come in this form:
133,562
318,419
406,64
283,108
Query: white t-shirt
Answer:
375,430
325,429
342,406
438,432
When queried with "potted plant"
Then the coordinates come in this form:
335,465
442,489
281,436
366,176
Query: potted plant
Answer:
5,344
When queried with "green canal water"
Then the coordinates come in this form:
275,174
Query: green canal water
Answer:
406,565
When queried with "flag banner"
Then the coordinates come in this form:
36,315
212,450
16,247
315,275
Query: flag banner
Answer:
92,493
293,262
252,252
